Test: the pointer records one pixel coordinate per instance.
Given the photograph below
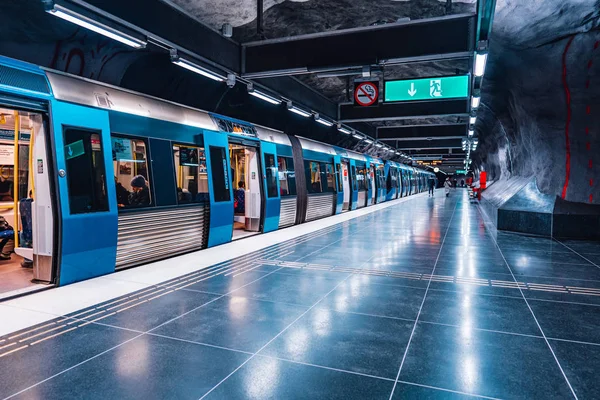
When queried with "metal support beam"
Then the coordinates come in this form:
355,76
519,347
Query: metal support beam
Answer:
400,111
423,132
259,18
426,39
431,144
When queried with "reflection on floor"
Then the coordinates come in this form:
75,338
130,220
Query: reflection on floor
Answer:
422,299
15,279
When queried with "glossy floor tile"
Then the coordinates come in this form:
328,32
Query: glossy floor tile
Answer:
424,289
483,363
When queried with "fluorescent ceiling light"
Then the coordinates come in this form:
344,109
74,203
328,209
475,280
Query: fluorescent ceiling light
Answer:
369,141
324,122
475,102
472,120
471,132
197,69
265,97
344,130
88,23
299,111
480,60
378,145
357,136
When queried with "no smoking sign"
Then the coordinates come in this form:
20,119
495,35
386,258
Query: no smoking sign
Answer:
366,93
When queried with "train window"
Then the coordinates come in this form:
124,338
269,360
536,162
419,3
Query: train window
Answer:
312,170
220,175
388,180
338,170
353,178
86,175
130,162
271,170
361,177
287,176
330,178
190,174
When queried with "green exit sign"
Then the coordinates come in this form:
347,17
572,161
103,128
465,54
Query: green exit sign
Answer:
74,149
449,87
460,172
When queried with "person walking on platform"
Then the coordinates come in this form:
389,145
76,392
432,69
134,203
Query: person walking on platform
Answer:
447,186
431,186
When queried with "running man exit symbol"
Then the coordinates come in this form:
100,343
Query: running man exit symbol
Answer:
435,88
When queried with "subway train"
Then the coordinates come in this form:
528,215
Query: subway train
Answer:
120,179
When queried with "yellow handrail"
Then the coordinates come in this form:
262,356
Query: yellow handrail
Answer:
16,179
32,164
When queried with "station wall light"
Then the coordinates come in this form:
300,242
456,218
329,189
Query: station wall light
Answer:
344,130
297,110
472,120
323,121
190,66
471,132
263,96
89,23
480,61
475,100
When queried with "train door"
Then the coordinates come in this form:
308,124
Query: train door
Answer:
373,183
346,186
247,189
88,206
271,183
339,205
24,176
398,183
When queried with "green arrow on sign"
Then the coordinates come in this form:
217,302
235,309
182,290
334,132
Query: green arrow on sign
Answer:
74,149
460,172
449,87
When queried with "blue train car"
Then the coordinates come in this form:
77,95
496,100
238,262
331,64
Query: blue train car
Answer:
116,179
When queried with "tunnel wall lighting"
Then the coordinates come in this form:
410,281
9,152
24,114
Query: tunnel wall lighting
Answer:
182,62
480,61
264,96
298,111
344,130
475,101
88,23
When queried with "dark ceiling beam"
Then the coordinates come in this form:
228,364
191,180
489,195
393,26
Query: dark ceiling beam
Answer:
427,39
400,111
421,131
430,144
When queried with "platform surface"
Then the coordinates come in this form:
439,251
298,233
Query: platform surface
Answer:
418,299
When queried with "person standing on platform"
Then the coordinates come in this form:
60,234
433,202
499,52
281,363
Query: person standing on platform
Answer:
447,186
431,186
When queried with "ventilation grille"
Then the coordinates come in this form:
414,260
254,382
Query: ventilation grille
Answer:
287,215
226,125
23,79
320,206
153,235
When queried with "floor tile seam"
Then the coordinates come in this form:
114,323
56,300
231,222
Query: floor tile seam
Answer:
274,338
127,341
325,367
537,323
554,339
448,390
199,343
422,303
585,258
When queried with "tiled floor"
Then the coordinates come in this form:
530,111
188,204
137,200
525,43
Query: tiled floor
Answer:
419,300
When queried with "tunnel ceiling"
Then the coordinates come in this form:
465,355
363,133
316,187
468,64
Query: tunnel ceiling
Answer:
292,18
539,51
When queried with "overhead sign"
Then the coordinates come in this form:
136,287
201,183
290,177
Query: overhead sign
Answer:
449,87
74,149
366,93
460,172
